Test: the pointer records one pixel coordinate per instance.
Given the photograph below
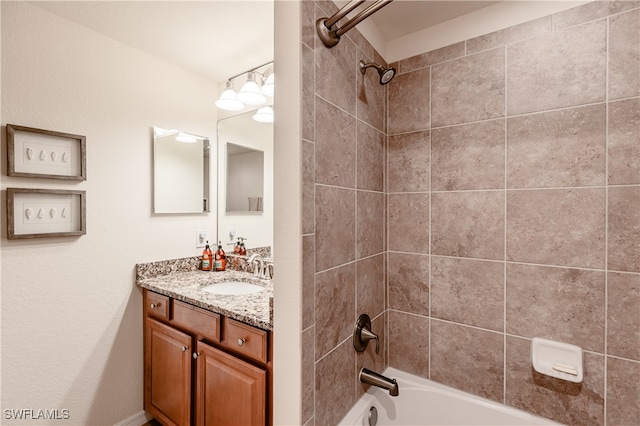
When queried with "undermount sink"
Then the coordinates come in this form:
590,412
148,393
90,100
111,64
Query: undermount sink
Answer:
233,288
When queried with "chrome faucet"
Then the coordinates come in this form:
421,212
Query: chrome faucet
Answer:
372,378
259,270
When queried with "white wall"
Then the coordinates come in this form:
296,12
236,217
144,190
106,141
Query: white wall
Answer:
71,314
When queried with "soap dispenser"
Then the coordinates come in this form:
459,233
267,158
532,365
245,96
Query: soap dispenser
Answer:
207,258
221,258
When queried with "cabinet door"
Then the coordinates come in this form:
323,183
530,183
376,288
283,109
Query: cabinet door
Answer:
230,391
167,371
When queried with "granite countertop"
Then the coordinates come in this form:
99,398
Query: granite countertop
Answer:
186,285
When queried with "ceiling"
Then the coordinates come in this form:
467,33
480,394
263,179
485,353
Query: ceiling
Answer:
219,39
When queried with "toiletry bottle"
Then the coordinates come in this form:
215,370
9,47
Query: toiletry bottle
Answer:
243,249
236,247
207,258
221,258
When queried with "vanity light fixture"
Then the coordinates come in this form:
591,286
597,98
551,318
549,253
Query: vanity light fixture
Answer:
228,100
253,92
264,115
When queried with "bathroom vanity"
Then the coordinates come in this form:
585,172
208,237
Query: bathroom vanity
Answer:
207,357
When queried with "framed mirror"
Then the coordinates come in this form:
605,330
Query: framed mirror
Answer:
245,181
180,172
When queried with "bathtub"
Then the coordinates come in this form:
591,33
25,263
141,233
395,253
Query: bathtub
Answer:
423,402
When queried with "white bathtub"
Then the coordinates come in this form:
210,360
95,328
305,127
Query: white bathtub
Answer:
423,402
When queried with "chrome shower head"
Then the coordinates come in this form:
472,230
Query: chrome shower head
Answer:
386,74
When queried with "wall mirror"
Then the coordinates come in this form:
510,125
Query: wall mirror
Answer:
245,181
180,172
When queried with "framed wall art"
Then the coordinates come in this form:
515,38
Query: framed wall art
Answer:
45,154
39,213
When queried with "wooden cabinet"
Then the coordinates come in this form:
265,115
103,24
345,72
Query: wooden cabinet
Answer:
202,368
167,368
229,390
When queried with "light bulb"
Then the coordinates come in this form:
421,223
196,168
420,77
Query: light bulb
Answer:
250,92
264,115
228,99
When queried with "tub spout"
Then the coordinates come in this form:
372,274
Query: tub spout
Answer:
372,378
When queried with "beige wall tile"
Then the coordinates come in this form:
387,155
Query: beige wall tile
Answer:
557,227
432,57
308,99
509,35
558,400
335,304
335,74
370,286
469,156
624,229
335,226
408,162
468,89
561,304
335,145
624,148
409,354
308,280
591,11
409,222
468,224
369,223
409,102
308,375
557,148
468,359
623,392
624,55
308,186
468,291
370,154
409,283
335,390
623,315
561,69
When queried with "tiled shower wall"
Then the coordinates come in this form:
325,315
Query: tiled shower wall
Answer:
343,121
514,212
511,195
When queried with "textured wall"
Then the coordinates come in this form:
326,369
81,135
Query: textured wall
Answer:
511,192
343,125
513,209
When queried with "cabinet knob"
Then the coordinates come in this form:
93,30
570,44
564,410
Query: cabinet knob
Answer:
196,355
155,305
184,348
241,341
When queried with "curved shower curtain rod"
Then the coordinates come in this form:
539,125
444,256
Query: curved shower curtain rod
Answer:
331,36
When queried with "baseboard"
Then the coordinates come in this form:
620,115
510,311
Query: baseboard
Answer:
137,419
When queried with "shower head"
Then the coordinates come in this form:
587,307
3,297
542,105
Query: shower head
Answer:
386,74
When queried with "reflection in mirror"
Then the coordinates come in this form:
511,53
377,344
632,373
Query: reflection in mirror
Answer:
180,172
240,136
245,176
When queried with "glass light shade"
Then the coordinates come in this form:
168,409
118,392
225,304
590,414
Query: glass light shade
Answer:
228,100
268,86
250,92
186,138
264,115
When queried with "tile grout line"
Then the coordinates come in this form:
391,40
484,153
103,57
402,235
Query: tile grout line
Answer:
429,276
504,257
606,218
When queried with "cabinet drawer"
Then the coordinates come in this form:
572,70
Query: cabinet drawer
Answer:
200,321
157,304
245,339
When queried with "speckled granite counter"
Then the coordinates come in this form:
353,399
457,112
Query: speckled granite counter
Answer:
182,280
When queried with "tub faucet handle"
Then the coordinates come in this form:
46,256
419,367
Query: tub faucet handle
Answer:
362,334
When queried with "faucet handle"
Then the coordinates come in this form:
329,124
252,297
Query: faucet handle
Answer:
362,334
